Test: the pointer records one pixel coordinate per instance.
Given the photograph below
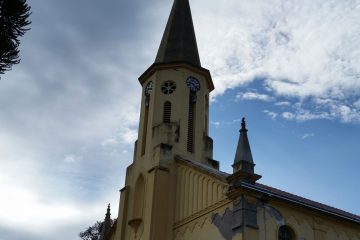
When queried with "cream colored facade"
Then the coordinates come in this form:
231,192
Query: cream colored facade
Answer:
190,196
173,188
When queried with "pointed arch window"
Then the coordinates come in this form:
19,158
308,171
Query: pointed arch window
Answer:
286,233
167,112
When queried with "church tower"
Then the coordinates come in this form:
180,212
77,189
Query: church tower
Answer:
174,122
174,189
175,99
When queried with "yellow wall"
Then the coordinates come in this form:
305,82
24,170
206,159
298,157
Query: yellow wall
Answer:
307,224
158,132
196,191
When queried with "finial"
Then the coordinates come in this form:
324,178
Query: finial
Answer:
243,124
108,209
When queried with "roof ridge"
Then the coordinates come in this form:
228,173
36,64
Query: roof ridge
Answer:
309,201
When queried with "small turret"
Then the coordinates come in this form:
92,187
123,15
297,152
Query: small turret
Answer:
243,167
106,224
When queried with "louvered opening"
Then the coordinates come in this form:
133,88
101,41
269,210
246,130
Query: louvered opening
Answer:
167,112
191,120
143,142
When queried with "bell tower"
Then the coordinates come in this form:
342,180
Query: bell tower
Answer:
174,122
175,99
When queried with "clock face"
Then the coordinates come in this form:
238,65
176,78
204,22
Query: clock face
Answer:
148,88
193,84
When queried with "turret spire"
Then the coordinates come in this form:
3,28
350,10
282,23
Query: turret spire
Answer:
243,166
106,224
243,151
178,43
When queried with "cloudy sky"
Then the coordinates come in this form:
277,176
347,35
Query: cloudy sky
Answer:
69,111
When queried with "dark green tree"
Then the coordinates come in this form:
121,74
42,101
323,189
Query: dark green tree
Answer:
92,233
14,21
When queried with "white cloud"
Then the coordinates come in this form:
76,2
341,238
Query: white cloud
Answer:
288,115
271,114
129,136
282,104
307,135
346,113
300,49
71,158
26,207
57,107
216,124
253,95
357,104
37,202
125,135
302,115
324,109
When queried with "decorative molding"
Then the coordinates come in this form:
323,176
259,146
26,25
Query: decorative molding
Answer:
198,223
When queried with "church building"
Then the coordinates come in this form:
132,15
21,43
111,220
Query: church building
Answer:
174,189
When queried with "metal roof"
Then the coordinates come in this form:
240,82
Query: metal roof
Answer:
178,43
276,193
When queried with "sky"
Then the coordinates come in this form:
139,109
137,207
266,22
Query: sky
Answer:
69,111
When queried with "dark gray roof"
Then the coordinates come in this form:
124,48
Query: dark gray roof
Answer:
178,43
243,151
275,193
202,167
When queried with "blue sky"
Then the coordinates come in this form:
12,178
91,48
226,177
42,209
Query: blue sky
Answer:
69,111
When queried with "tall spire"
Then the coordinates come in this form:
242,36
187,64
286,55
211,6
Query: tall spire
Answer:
178,43
106,224
243,166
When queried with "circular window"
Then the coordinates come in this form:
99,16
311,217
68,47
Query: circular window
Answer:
168,87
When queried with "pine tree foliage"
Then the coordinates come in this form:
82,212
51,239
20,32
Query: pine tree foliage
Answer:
93,232
14,15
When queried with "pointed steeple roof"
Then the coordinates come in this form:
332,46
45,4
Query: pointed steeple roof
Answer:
243,151
243,167
178,43
106,224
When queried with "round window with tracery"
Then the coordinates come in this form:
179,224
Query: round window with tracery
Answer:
168,87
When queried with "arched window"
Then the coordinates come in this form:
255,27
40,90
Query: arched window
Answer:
286,233
139,198
167,112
